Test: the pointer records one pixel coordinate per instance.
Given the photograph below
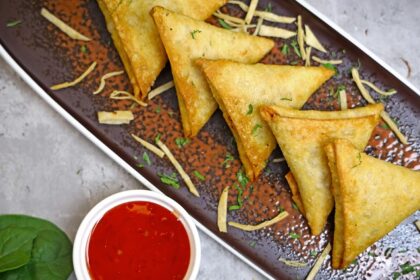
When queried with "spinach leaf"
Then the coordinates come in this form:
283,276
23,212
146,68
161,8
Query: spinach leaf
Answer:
15,247
50,249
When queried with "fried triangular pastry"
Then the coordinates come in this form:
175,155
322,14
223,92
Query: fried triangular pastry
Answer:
240,89
136,38
302,136
186,40
372,197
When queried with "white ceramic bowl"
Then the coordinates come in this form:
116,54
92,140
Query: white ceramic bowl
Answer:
97,212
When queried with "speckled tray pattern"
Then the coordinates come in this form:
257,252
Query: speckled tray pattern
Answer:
50,57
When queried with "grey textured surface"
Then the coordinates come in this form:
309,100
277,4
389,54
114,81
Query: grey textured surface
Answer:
50,170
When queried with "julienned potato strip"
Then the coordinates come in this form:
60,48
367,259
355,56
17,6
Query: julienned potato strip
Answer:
268,223
77,80
179,168
125,95
149,146
69,31
104,78
222,210
319,262
387,119
115,118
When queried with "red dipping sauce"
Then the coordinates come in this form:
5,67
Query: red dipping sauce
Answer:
138,240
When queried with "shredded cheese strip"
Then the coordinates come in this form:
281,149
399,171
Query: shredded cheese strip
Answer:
387,119
293,263
271,31
259,24
418,224
115,118
319,262
160,90
312,40
263,14
228,18
363,91
301,37
343,99
222,210
375,88
178,167
149,146
103,80
273,221
78,80
308,56
251,11
72,33
277,160
124,95
322,61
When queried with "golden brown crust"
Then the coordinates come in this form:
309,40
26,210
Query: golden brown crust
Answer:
141,42
237,86
302,136
375,197
186,40
295,192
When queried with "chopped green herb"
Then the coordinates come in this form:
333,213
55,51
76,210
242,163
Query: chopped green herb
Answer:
294,62
384,125
255,129
83,49
199,175
285,49
194,32
224,24
228,159
330,66
146,158
294,235
170,180
407,268
295,46
250,109
372,254
251,189
396,275
157,110
242,178
252,244
234,207
158,136
295,206
13,23
140,165
313,253
286,99
354,262
269,7
359,158
181,142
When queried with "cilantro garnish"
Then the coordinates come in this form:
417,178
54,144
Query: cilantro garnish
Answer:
224,24
83,49
330,66
194,32
295,46
181,142
269,7
199,175
13,23
255,129
250,109
228,159
157,110
242,178
146,158
170,180
285,49
313,253
158,136
294,235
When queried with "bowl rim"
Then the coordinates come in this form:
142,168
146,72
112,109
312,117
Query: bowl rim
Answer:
97,212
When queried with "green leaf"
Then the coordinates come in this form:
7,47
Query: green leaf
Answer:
242,178
330,66
224,24
295,47
83,49
181,142
199,175
158,136
51,253
407,268
313,253
294,235
396,275
194,32
170,180
146,158
285,49
256,128
228,159
234,207
157,111
15,247
140,165
250,109
252,244
13,23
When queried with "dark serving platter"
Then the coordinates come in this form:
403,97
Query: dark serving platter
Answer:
43,56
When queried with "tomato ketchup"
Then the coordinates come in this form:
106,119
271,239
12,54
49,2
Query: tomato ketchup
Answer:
138,240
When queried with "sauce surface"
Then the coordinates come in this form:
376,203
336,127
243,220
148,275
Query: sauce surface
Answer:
138,240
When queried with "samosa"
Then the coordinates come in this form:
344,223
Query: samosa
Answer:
187,40
302,136
137,40
371,196
240,89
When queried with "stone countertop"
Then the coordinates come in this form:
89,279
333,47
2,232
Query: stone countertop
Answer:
48,169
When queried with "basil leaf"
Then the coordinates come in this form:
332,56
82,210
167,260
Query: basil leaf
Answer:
15,247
